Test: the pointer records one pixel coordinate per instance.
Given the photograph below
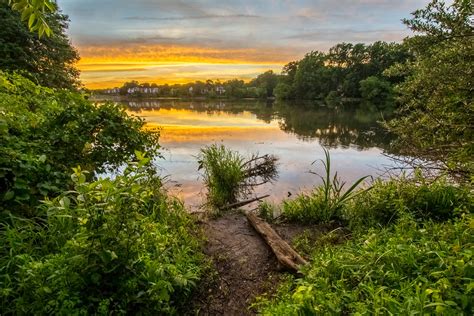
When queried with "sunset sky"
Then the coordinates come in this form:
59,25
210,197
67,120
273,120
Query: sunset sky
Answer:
174,41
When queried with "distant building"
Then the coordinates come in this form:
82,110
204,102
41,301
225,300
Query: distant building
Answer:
112,91
220,90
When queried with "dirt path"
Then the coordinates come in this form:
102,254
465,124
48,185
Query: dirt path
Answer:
244,264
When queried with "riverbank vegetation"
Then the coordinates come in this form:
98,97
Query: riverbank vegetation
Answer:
71,241
410,244
229,176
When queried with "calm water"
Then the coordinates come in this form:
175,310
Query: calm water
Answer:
293,133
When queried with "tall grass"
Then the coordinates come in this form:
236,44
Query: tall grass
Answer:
389,200
326,202
223,174
229,176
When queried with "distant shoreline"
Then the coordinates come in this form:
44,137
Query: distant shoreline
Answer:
101,97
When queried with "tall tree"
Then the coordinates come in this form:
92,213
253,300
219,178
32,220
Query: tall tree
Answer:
436,119
47,60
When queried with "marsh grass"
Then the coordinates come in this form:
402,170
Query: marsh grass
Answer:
223,174
326,202
228,176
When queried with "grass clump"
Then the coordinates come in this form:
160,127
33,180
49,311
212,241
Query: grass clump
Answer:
223,174
106,247
326,202
389,200
228,176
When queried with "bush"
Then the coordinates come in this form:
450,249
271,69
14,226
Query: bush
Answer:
387,201
377,91
401,270
107,247
45,132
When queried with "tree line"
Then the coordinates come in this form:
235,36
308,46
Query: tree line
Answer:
347,72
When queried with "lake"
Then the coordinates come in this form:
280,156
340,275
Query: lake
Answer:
294,133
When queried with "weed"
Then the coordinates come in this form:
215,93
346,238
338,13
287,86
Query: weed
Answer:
326,202
400,270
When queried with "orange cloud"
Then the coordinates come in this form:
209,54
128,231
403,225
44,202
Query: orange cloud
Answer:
109,66
173,53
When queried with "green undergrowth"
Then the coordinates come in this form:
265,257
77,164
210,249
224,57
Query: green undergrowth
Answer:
46,132
405,269
111,246
410,251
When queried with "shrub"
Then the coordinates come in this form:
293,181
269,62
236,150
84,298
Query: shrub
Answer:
388,200
107,247
45,132
377,91
401,270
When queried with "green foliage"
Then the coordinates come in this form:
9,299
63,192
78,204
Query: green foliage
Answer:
223,174
402,270
333,99
387,201
44,133
378,92
48,60
267,82
106,247
435,120
283,91
326,202
267,211
34,13
339,73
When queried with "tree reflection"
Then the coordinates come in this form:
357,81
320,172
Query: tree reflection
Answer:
352,126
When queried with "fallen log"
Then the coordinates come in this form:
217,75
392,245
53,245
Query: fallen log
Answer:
286,255
243,203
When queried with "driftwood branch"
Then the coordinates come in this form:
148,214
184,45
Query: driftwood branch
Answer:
243,203
286,255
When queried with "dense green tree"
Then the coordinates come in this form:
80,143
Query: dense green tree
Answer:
377,91
266,81
44,133
312,78
437,114
48,60
339,72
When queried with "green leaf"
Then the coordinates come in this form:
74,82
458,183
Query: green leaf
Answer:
9,195
31,20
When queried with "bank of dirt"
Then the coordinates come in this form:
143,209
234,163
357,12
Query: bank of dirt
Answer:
243,265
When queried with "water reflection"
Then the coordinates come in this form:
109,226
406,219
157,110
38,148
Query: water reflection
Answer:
294,133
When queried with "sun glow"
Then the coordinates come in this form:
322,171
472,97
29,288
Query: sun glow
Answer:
109,66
